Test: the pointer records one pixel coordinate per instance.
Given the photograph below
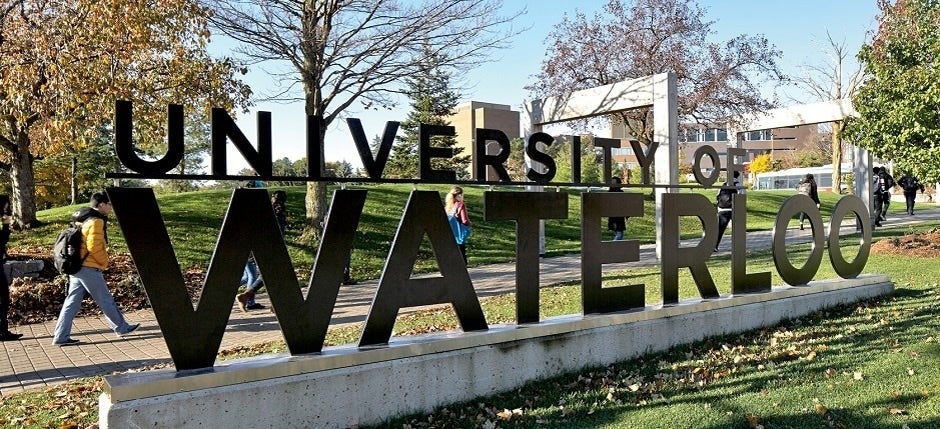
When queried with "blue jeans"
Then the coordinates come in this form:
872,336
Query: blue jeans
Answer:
252,279
618,235
90,281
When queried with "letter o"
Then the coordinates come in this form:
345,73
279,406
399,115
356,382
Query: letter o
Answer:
700,153
790,208
846,270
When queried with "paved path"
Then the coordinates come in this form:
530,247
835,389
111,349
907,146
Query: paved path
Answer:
34,362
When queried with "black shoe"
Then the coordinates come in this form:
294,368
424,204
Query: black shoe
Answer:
716,250
801,227
67,342
9,336
877,223
255,306
130,329
349,282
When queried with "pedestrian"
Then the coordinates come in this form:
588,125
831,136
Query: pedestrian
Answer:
725,198
887,185
459,219
910,185
809,188
89,279
5,334
617,224
877,184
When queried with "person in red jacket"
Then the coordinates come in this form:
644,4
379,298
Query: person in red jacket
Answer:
90,278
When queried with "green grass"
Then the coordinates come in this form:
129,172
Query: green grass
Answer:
799,374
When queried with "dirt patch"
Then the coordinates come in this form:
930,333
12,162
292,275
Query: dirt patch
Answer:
924,245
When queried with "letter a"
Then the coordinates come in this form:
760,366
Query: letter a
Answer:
424,213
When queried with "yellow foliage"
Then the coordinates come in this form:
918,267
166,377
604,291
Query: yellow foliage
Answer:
761,164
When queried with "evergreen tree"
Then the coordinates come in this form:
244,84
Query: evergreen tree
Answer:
432,102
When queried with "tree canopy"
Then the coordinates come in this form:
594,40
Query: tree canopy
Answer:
633,39
63,63
897,104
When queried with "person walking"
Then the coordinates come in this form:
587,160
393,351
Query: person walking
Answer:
910,185
90,278
809,188
617,224
458,218
5,334
887,184
724,197
877,184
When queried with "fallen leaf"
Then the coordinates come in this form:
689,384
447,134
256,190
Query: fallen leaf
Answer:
821,409
897,411
857,375
910,371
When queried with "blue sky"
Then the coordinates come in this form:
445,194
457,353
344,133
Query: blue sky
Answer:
796,27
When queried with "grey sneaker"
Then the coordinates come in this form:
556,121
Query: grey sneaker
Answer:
130,328
66,342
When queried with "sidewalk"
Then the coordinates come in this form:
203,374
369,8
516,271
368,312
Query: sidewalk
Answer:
34,363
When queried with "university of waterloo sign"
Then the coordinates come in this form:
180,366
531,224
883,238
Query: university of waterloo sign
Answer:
194,335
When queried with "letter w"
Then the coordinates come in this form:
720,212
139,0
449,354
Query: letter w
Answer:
194,335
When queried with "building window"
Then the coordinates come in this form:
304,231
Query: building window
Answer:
622,151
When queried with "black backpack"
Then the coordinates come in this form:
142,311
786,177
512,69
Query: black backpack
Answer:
724,197
66,253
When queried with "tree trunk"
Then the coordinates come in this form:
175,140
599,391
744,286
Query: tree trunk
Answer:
24,186
74,184
837,156
315,200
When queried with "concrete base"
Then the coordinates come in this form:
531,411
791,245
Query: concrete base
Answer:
345,386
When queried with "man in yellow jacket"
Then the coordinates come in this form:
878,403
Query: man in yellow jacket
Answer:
90,279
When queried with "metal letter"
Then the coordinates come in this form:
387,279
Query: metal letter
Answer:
606,145
700,153
424,213
849,204
373,167
674,256
224,128
192,335
124,145
790,208
496,161
741,281
426,152
645,159
532,150
595,253
527,209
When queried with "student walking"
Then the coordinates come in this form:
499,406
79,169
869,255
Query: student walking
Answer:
90,278
458,218
910,185
724,198
809,188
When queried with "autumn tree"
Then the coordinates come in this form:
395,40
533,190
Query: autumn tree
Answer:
897,103
63,63
761,164
346,53
634,39
433,100
832,81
